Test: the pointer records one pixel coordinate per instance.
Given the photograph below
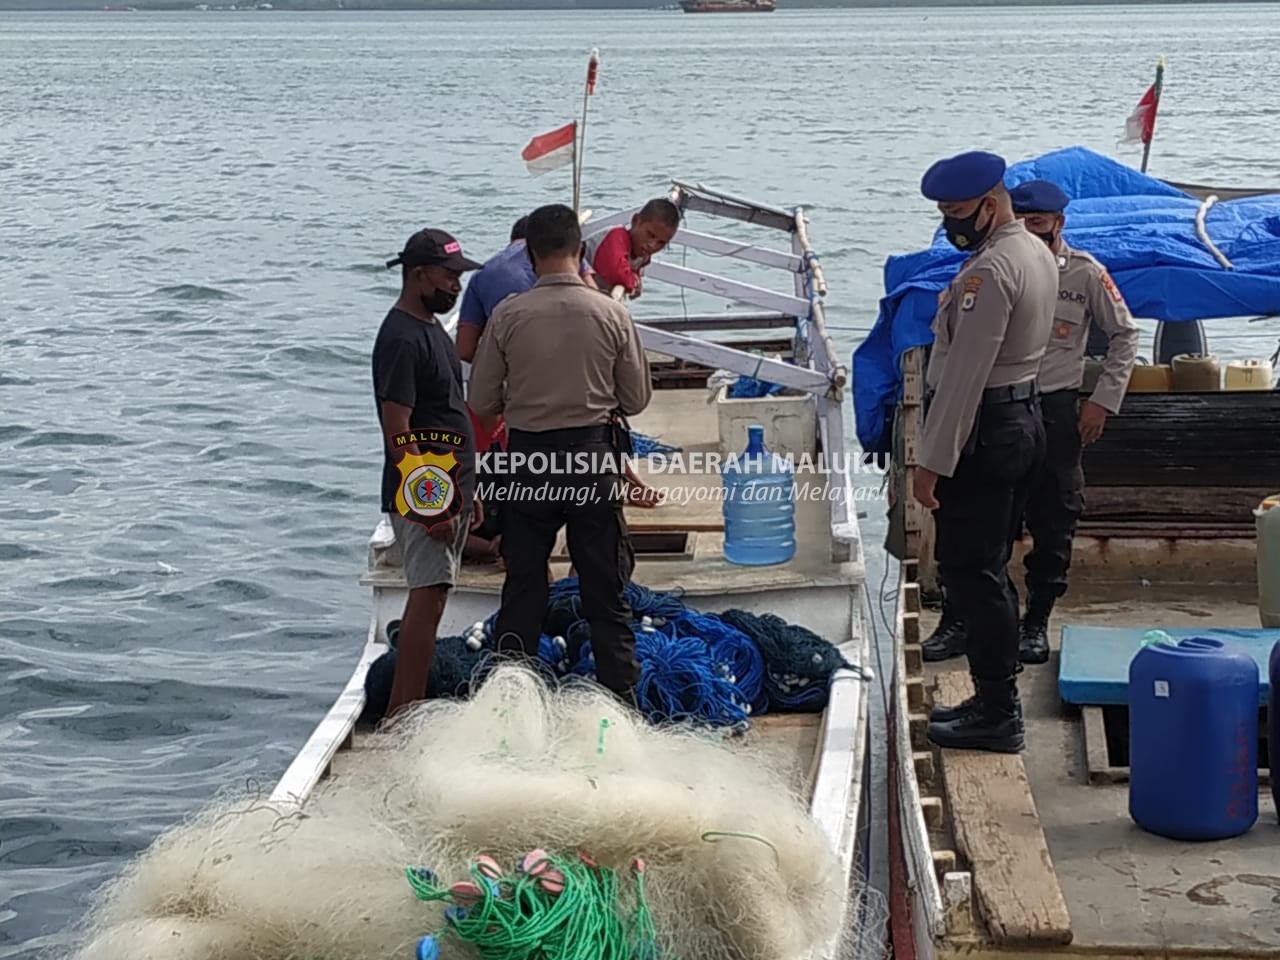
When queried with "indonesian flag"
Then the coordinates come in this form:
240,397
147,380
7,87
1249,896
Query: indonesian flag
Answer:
1142,122
550,151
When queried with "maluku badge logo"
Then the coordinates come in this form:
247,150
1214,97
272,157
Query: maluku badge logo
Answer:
428,491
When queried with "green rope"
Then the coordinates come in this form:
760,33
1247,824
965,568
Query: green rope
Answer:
551,908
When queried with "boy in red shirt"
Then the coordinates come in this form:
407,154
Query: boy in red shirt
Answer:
619,256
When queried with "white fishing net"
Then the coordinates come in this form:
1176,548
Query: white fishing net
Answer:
735,867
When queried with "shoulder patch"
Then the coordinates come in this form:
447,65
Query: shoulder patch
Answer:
1110,286
969,299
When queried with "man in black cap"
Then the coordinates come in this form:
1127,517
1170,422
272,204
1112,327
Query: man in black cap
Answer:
983,437
417,384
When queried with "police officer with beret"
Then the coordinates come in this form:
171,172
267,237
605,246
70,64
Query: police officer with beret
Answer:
1087,297
983,436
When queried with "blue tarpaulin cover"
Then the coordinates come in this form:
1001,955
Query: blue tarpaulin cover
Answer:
1141,229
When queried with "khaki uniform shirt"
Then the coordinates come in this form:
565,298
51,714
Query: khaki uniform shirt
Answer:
1087,294
560,355
992,324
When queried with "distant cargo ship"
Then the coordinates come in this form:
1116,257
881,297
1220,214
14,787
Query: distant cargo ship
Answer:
728,6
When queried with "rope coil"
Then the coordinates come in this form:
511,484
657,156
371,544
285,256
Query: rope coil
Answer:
708,669
551,906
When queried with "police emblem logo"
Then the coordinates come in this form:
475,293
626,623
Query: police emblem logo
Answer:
428,491
1110,286
1063,330
971,285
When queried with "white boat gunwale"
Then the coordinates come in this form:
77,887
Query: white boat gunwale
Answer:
839,787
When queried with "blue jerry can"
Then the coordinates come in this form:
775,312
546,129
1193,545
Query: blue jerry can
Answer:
1193,740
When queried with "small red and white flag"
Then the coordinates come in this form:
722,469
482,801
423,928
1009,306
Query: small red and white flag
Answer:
551,151
1141,124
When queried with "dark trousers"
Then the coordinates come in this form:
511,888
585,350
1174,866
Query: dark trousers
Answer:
589,505
1056,499
978,518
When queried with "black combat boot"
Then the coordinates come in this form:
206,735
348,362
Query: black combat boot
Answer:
994,723
943,714
1033,642
949,639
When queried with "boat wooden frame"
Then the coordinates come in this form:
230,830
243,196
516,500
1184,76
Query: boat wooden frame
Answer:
839,774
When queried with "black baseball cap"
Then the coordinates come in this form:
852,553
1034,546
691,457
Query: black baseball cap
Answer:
429,247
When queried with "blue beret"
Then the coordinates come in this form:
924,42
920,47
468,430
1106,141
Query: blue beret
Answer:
1038,196
962,177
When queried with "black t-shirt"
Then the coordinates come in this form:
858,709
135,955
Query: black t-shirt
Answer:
415,364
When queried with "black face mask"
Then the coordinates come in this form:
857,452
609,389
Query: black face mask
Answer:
441,301
964,233
1047,237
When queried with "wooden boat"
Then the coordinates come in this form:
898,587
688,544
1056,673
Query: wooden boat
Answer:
679,546
1035,855
728,6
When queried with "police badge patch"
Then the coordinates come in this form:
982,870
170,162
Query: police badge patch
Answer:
970,298
1110,286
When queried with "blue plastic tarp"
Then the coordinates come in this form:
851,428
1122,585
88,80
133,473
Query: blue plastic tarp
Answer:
1141,229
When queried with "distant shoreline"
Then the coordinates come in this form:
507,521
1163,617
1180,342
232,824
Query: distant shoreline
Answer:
484,6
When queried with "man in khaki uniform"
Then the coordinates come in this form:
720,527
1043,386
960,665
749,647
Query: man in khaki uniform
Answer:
558,361
1086,296
983,437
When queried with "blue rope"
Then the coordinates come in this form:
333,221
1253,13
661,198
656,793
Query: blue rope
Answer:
645,445
680,680
749,388
738,658
710,669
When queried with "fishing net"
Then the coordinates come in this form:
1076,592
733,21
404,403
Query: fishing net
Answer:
733,867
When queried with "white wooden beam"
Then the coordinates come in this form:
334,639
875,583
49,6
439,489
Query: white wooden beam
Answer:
729,289
846,540
312,762
810,258
824,351
743,208
739,250
724,321
619,219
720,357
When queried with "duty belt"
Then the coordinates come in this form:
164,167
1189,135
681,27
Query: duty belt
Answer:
1010,393
559,439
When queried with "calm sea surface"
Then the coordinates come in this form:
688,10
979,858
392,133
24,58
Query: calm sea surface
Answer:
194,210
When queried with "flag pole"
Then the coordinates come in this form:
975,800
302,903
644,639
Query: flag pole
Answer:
1155,109
580,134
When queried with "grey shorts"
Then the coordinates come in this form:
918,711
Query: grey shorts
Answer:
428,562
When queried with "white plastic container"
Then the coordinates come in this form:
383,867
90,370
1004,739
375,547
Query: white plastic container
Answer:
790,421
1248,375
1267,518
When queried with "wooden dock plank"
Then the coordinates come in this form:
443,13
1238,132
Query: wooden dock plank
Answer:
998,831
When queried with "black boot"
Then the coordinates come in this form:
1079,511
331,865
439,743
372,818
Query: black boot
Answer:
994,723
943,714
1033,642
950,639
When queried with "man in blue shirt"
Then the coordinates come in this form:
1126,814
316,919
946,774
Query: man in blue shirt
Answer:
502,275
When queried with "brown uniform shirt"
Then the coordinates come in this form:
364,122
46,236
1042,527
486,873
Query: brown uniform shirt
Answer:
1087,294
561,354
992,324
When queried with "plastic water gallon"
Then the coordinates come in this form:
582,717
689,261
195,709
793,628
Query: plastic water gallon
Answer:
1248,375
1196,374
1151,378
1193,740
1273,724
1267,519
759,505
